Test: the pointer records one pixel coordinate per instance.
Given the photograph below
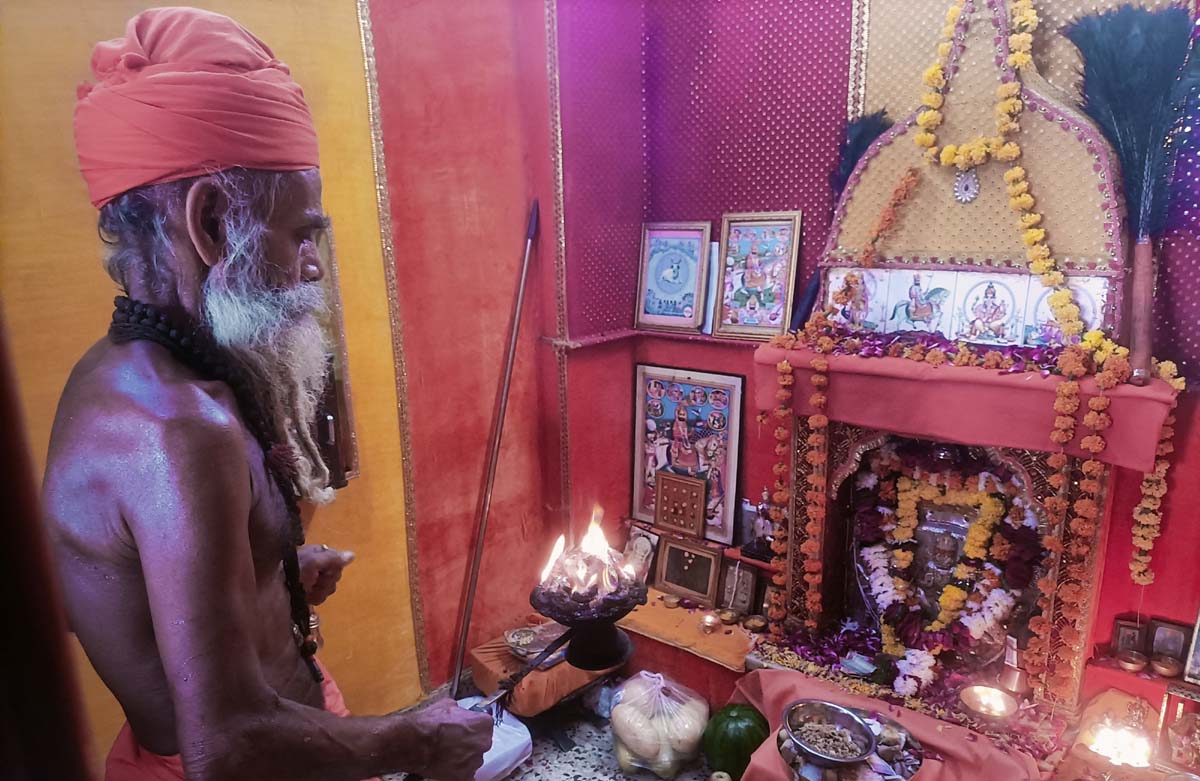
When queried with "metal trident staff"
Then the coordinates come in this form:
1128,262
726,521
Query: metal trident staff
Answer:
489,475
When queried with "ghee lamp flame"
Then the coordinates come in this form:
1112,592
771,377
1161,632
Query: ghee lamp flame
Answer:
1121,746
559,546
594,543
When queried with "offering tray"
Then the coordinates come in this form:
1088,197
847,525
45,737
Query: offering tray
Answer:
895,745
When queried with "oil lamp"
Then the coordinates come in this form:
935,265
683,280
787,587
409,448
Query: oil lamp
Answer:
589,588
989,701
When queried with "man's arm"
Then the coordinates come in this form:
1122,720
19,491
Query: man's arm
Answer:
190,523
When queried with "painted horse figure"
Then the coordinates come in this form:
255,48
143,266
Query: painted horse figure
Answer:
922,308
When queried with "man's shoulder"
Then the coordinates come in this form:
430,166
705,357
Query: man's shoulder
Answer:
135,397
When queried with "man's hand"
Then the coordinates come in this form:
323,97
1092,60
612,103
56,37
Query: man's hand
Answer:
320,570
454,738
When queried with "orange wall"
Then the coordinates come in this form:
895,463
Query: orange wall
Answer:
463,98
57,298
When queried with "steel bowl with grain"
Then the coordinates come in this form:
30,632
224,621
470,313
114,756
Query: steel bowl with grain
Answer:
848,740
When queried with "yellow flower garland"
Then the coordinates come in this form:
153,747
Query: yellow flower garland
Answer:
1009,106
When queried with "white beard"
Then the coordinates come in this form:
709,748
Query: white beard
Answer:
277,338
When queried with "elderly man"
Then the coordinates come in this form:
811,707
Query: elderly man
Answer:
182,443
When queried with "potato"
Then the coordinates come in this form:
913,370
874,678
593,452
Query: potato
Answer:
625,760
687,727
636,731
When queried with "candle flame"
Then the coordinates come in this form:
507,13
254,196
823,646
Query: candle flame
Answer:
559,545
1122,746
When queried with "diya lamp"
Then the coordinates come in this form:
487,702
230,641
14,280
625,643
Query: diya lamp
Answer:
1121,745
709,622
589,588
989,701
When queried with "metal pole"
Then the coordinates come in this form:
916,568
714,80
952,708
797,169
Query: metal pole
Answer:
489,475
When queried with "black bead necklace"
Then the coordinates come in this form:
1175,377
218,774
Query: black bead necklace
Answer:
136,321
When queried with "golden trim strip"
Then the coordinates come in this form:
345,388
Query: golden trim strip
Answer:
560,263
386,235
860,23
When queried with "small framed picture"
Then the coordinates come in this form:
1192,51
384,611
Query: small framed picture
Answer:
739,582
1168,638
1191,669
1128,635
756,274
679,504
689,569
673,276
642,550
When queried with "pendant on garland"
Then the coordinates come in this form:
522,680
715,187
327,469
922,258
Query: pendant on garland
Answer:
966,186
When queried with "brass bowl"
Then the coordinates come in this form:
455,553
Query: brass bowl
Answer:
989,701
728,617
1166,666
671,600
1132,661
754,624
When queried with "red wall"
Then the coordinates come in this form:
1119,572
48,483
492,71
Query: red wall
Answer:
466,140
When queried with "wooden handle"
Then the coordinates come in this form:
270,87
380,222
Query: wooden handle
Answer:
1141,311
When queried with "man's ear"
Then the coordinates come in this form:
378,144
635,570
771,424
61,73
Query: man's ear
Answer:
203,210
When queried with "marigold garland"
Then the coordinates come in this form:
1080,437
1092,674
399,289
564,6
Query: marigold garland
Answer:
977,151
888,217
781,496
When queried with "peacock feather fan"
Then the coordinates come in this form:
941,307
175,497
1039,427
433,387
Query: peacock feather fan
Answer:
860,134
1138,73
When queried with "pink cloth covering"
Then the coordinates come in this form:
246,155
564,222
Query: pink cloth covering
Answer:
127,761
187,92
968,405
953,753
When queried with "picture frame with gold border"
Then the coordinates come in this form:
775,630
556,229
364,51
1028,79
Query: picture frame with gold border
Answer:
756,275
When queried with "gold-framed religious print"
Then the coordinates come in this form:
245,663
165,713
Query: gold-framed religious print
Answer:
689,425
673,276
688,568
756,274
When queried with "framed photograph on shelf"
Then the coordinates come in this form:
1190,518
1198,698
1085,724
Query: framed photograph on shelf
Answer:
679,504
689,425
756,274
1168,638
673,276
642,547
1128,635
688,568
739,584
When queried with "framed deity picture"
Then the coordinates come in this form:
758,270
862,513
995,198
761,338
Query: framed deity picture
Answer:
688,568
739,584
673,276
689,425
642,550
1168,638
756,274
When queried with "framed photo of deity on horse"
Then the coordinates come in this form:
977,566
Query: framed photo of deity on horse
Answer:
689,424
756,274
673,276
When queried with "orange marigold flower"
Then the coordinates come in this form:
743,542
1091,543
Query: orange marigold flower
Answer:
916,352
815,457
993,359
782,433
1092,443
1093,468
781,497
783,367
813,578
813,529
786,380
816,439
818,421
1064,423
818,380
1165,448
779,468
779,546
812,566
1057,480
1061,437
1056,505
782,450
783,395
895,350
1097,421
819,363
1057,460
1052,543
1099,403
1066,404
1088,508
816,481
936,357
818,400
810,548
783,413
779,579
1089,485
824,345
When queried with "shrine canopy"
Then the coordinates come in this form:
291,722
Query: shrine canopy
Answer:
966,405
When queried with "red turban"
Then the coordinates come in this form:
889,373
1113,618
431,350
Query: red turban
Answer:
187,92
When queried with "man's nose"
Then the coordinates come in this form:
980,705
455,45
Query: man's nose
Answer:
311,270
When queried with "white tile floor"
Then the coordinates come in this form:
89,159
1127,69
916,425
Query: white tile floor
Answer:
591,760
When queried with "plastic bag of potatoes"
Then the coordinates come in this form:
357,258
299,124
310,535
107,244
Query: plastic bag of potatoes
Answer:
657,725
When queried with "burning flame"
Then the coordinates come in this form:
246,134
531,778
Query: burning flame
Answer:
594,543
992,702
559,546
1122,746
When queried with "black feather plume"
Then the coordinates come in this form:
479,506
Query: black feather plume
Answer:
860,134
1138,73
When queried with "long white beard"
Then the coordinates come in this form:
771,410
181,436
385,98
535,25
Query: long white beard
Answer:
278,339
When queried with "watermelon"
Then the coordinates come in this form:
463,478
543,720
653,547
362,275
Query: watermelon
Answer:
732,735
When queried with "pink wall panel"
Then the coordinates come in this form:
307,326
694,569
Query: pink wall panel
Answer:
604,172
746,104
